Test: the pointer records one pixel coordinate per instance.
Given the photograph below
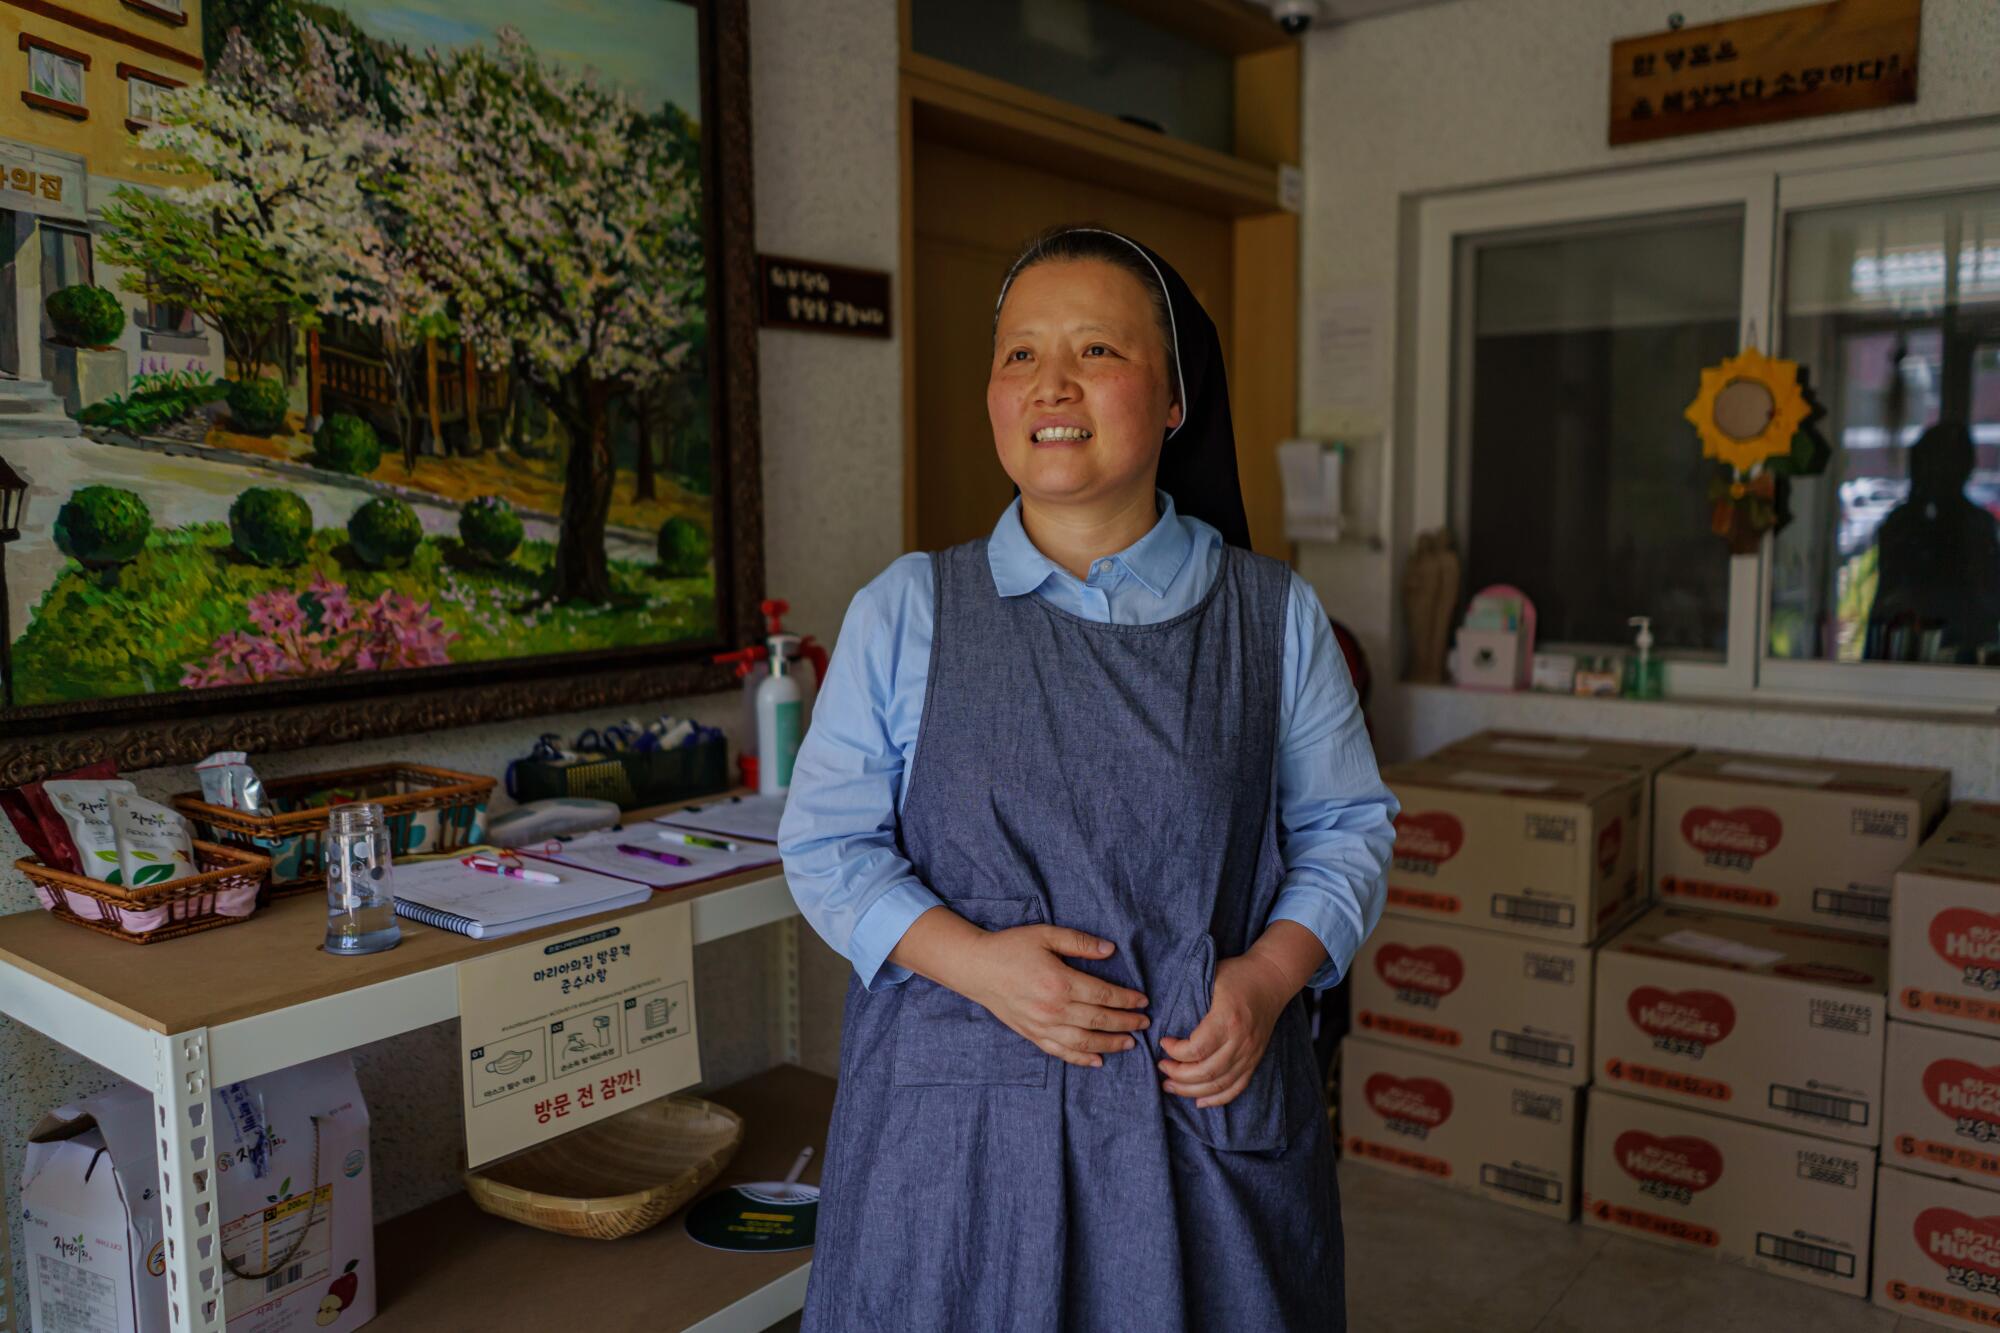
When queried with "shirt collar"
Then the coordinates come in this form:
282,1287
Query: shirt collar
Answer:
1154,560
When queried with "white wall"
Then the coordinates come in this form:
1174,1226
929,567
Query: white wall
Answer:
1478,92
823,78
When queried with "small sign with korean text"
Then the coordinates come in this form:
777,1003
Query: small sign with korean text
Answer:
800,294
563,1032
1846,55
32,183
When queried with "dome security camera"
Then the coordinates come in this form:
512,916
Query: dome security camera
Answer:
1295,16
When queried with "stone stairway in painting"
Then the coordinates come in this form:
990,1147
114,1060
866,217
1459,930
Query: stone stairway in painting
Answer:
29,409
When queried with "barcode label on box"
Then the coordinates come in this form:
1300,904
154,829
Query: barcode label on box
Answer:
1539,1106
1520,1046
1819,1258
1823,1106
1860,906
1523,1183
1550,967
1533,911
284,1277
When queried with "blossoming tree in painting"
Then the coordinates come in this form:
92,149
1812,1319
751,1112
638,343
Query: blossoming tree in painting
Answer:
546,205
272,163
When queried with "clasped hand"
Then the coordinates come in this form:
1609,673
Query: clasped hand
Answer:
1019,976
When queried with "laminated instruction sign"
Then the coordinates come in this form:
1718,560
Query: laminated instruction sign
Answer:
562,1032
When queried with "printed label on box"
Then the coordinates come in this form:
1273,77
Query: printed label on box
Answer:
277,1249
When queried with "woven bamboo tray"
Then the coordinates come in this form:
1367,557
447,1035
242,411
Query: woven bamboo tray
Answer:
617,1177
429,810
189,903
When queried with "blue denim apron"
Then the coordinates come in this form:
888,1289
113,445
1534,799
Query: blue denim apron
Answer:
1118,779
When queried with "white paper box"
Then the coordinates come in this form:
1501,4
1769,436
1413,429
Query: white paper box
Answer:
1937,1250
292,1183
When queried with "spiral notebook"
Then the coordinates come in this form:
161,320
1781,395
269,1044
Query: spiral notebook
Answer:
450,896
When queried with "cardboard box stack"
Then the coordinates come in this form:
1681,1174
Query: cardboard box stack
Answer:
1805,840
1472,998
1937,1220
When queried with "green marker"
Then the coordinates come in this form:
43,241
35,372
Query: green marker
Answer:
700,840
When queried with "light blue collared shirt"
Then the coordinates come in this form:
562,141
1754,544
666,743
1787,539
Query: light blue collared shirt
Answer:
838,838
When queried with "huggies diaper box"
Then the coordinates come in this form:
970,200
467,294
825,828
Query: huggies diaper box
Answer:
1941,1103
1937,1250
1546,851
1944,959
1476,995
1486,1131
1807,840
291,1171
1759,1019
1537,747
1769,1198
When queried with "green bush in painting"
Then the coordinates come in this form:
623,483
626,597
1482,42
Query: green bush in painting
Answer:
270,527
384,532
102,526
85,316
257,406
347,444
490,528
683,549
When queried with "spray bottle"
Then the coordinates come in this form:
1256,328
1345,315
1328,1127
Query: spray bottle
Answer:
780,718
1645,676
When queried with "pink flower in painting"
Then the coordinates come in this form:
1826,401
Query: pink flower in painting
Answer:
277,612
391,631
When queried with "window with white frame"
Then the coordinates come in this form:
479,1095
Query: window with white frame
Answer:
142,99
1578,345
56,77
1894,552
1561,329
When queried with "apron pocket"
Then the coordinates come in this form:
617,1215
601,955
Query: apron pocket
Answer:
946,1040
1255,1120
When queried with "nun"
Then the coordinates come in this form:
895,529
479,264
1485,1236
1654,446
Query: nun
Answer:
1088,803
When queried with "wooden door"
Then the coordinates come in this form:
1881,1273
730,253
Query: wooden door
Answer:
972,212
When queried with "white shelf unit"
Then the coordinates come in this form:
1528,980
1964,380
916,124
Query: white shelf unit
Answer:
92,995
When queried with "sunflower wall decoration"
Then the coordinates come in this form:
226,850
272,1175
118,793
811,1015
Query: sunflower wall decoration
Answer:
1753,417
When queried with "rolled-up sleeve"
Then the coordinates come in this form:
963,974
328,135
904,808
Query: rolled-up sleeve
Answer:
1336,818
838,836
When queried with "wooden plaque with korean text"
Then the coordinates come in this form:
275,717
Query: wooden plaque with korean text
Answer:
1815,60
567,1030
802,294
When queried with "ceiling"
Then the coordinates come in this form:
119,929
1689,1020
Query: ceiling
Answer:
1347,11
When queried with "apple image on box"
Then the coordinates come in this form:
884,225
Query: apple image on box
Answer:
340,1295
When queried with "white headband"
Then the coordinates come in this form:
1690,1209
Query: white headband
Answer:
1173,330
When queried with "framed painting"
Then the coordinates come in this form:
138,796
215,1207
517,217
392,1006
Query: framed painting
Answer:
368,366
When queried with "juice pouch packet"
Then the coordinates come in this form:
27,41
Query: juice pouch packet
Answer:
34,817
85,808
152,842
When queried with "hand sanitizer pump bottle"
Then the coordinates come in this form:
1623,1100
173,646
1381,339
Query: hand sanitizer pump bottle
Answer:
780,719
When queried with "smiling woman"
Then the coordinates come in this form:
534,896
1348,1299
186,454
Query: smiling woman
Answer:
1145,782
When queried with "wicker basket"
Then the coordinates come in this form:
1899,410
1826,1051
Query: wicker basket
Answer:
617,1177
189,904
428,810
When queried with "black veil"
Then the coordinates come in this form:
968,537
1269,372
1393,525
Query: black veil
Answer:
1198,462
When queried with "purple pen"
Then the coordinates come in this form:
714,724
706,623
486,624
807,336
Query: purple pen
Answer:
652,855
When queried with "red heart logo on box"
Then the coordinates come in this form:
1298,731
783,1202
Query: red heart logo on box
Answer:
1433,836
1433,969
1954,1239
1965,936
1683,1161
1692,1015
1421,1101
1745,831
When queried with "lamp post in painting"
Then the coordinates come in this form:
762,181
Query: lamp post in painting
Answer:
13,498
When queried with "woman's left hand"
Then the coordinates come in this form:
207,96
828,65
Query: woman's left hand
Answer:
1213,1064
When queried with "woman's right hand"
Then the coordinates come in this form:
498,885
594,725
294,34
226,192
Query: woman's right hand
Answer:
1019,976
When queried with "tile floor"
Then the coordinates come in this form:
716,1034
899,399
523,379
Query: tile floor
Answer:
1421,1259
1426,1260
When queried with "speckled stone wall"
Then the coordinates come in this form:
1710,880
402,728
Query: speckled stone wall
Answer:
823,79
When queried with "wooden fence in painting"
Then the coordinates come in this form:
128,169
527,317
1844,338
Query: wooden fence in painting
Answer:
347,373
